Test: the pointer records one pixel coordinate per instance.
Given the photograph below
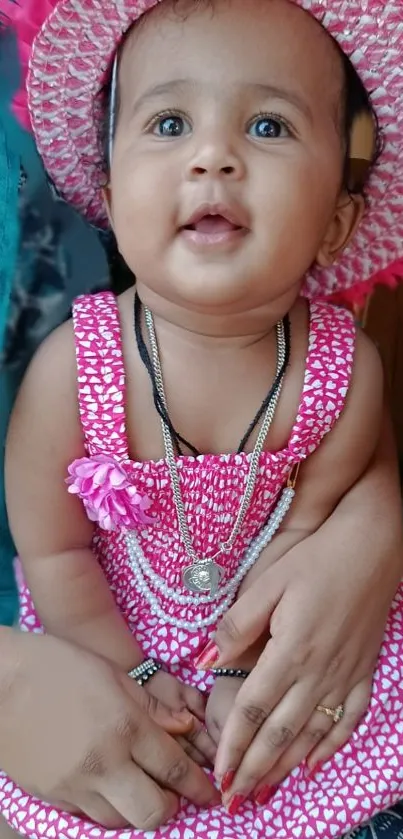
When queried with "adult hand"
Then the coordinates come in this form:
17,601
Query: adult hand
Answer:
78,734
326,602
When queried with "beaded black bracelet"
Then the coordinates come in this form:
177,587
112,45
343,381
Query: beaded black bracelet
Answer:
145,671
231,672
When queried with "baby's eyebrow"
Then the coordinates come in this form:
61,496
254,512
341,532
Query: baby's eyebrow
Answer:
293,97
267,91
158,91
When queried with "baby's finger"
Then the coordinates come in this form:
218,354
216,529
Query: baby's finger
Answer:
355,706
196,702
173,722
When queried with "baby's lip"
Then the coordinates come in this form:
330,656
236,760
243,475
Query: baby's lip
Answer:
234,215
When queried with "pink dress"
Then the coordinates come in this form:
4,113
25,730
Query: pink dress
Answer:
366,776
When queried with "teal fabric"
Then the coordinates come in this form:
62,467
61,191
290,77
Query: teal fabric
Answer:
17,149
9,179
48,255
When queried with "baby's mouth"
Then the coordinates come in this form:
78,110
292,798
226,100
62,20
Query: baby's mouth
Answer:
213,225
209,229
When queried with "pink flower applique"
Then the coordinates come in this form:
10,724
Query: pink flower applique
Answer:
108,495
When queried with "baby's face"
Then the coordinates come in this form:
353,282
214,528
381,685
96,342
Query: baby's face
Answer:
228,154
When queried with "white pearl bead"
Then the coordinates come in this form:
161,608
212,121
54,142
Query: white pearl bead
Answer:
142,569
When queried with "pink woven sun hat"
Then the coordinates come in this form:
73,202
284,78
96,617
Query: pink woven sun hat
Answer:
69,46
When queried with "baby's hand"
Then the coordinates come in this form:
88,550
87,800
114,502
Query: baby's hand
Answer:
177,696
220,701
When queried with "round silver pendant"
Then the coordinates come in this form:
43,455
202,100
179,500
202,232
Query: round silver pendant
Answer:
202,577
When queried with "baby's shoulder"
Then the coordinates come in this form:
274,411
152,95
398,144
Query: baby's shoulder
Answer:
55,357
45,415
51,377
368,373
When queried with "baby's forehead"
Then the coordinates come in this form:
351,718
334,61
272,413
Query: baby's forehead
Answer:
261,37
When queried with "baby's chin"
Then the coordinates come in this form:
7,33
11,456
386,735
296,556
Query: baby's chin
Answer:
208,285
210,290
218,285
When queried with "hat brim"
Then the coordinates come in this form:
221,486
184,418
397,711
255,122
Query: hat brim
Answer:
70,60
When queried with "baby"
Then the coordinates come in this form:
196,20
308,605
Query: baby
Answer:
187,414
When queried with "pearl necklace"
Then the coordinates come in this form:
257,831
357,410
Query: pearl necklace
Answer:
144,578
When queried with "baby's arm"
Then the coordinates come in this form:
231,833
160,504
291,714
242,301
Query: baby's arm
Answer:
50,528
53,534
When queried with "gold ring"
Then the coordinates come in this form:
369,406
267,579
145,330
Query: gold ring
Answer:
336,714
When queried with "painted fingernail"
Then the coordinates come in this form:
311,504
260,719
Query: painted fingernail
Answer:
227,780
208,657
178,807
313,770
216,799
264,795
235,804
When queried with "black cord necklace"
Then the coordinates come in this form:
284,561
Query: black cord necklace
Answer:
160,407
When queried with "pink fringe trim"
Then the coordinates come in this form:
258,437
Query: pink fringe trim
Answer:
356,297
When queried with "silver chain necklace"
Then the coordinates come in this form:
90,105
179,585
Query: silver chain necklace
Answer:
204,574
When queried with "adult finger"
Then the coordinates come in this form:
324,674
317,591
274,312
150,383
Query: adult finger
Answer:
191,751
355,706
278,732
261,692
66,807
246,621
311,734
138,799
164,760
95,807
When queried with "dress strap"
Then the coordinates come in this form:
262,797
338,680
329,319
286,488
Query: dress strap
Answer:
101,374
328,371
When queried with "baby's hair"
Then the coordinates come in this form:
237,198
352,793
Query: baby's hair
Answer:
357,103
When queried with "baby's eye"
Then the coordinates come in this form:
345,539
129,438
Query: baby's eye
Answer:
268,128
171,125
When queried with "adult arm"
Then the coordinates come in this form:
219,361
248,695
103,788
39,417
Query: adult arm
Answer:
78,733
326,601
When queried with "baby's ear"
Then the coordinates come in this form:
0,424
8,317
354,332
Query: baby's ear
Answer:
346,218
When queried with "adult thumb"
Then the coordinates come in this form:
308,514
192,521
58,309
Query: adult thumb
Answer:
245,622
173,722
